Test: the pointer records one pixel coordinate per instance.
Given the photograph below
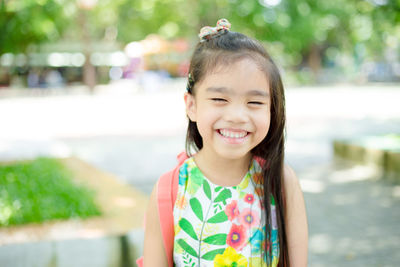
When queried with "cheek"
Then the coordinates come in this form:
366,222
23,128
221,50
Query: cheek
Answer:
206,118
262,121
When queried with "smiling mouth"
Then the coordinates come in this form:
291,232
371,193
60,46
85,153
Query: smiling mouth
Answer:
232,134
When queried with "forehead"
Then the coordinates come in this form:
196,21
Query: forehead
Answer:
240,76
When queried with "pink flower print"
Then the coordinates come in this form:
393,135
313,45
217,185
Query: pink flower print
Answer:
249,198
237,237
249,218
232,210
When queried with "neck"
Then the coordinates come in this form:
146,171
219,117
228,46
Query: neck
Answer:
222,171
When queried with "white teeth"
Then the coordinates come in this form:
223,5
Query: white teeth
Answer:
231,134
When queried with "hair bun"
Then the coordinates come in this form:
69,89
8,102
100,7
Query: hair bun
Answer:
207,32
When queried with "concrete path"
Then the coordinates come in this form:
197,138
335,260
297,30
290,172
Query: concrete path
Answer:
353,214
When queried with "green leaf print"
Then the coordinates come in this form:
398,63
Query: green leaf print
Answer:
217,207
211,255
272,199
218,188
207,190
187,247
196,207
218,239
225,194
195,181
245,183
188,228
186,258
219,217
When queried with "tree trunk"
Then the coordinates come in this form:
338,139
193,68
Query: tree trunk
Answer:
88,71
314,59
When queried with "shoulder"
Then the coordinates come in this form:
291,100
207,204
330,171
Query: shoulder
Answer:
292,190
152,219
153,195
296,219
153,249
290,180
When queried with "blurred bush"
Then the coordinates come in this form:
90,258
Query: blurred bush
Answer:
41,190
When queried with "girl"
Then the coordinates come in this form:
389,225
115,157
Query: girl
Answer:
237,204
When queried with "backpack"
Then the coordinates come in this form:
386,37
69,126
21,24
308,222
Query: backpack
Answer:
167,189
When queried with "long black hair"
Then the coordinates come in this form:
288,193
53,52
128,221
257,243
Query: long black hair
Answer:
229,48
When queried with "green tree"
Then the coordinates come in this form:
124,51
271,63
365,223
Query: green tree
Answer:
303,30
26,22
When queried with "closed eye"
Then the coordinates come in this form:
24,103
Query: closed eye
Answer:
256,103
219,99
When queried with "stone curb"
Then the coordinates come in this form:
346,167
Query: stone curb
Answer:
388,160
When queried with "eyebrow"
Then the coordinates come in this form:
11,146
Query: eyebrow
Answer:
226,90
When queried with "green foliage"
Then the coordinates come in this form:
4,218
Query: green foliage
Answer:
296,28
41,190
300,25
26,22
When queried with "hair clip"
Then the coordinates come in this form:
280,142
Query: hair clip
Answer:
207,32
190,83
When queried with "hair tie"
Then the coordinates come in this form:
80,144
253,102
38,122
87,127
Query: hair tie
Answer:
207,32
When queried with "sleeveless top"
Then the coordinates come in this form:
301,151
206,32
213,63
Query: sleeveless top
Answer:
221,225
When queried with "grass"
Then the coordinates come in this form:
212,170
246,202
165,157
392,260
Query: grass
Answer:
41,190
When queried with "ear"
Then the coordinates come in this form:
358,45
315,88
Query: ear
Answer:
190,103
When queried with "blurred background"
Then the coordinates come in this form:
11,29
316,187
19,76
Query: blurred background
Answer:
104,80
58,43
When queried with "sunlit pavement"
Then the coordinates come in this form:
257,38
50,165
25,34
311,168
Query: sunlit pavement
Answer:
353,215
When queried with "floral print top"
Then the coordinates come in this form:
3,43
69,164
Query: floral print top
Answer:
221,226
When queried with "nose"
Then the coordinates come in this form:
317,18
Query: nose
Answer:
236,114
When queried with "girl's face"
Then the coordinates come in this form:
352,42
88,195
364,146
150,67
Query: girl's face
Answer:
231,107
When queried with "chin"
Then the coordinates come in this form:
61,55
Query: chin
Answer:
233,155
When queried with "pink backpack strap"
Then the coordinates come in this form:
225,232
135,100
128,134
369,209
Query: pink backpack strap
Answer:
165,212
167,190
